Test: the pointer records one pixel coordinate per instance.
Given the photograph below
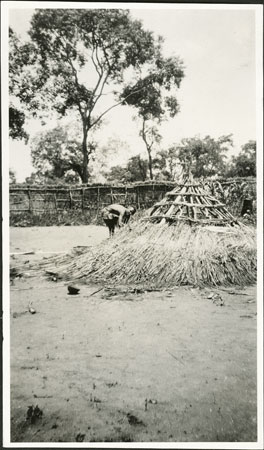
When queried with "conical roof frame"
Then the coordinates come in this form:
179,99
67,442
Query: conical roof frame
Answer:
191,203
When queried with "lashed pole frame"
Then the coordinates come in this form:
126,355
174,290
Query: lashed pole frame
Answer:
192,204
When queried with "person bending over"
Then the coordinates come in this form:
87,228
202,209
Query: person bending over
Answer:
116,216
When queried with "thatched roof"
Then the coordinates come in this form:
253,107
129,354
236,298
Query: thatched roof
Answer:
191,203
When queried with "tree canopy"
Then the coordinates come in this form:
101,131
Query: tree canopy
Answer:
74,55
16,123
54,153
151,94
244,165
16,115
204,156
135,170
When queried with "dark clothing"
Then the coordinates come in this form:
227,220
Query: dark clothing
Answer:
111,224
115,215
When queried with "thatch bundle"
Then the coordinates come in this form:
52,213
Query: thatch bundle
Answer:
165,256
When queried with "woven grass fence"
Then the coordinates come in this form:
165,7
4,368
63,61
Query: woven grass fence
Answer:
39,200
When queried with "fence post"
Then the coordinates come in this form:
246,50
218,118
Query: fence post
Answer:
70,195
30,205
82,198
55,201
138,203
98,200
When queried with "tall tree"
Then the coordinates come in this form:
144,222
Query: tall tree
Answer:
154,97
76,55
150,136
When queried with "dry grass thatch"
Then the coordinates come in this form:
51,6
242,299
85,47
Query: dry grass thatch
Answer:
166,256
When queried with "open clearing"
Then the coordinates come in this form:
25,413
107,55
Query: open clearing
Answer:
122,366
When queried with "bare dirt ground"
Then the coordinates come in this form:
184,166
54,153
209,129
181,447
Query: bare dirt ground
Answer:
119,366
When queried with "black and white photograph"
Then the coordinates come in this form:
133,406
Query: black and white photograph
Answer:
132,175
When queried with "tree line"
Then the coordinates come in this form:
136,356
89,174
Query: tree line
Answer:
57,158
205,157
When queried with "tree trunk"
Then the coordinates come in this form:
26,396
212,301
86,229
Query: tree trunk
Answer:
85,174
77,168
150,165
142,171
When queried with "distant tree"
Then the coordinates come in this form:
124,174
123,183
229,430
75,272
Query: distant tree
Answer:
244,165
138,168
204,157
49,178
135,170
35,178
79,55
54,154
154,97
117,174
102,160
12,176
167,164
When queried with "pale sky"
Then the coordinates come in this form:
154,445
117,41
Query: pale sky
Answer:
217,95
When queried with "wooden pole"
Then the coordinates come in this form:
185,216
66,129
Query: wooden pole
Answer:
30,205
125,195
82,198
55,201
98,200
70,195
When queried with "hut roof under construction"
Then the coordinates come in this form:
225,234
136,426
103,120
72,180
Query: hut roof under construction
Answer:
189,202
